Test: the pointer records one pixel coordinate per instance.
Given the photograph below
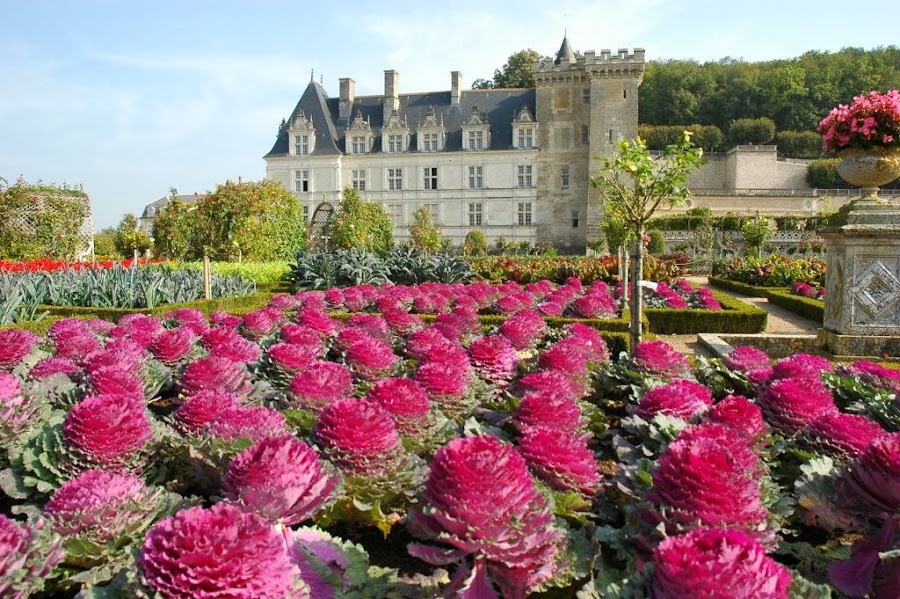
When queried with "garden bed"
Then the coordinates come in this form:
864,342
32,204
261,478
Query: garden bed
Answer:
807,307
735,316
743,288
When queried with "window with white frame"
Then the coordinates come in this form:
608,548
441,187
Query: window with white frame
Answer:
395,179
434,211
564,177
358,179
430,142
525,138
523,214
359,144
475,140
301,145
476,214
395,212
476,177
395,143
430,174
524,176
301,181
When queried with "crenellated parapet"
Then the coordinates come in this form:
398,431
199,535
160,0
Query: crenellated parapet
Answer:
605,64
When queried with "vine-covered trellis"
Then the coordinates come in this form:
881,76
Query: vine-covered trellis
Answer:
44,221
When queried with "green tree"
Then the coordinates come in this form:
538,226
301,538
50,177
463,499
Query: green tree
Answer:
361,224
129,239
174,230
105,244
41,220
517,72
424,233
633,185
751,131
756,233
252,220
475,243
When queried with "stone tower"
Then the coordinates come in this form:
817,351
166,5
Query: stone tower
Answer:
584,107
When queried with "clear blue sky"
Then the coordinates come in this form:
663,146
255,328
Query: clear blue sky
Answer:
130,99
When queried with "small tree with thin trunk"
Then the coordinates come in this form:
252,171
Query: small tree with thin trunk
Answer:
633,184
424,233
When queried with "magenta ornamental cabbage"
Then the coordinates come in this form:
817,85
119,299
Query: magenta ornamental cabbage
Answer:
481,501
139,328
280,478
15,408
107,430
15,344
552,381
371,359
373,324
261,323
801,366
51,366
221,551
715,563
564,356
297,334
224,320
551,410
321,384
213,372
524,329
172,345
698,481
291,359
348,336
183,316
248,422
320,322
737,412
116,379
843,434
679,398
561,459
75,344
790,404
447,386
201,409
872,483
494,358
660,359
745,358
28,555
360,438
589,341
402,322
422,341
405,400
100,506
728,439
229,344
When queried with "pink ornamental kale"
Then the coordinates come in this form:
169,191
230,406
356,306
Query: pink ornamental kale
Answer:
447,386
790,404
494,358
707,300
139,328
745,358
291,359
872,483
248,422
561,459
75,343
402,322
371,359
552,381
280,478
524,329
801,365
729,439
108,431
715,562
224,320
221,551
660,359
360,437
589,341
376,326
213,372
680,398
406,401
15,344
116,380
740,414
51,366
100,506
15,407
550,410
171,346
28,555
481,501
297,334
321,384
229,344
320,322
261,323
841,434
564,356
699,481
348,336
201,409
421,342
594,305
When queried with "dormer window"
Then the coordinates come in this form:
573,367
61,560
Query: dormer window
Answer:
395,135
431,133
476,132
359,136
303,135
395,143
524,130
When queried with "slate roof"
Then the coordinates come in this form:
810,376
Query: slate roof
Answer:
498,106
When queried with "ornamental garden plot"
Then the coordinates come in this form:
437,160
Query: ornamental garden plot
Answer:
291,453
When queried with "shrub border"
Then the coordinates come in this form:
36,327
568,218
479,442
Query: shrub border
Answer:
233,305
743,288
806,307
735,316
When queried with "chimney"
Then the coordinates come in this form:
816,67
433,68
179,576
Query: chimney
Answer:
348,95
455,78
391,93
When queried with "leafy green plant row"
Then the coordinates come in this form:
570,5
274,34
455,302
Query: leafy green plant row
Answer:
20,299
262,273
734,317
120,287
772,271
402,266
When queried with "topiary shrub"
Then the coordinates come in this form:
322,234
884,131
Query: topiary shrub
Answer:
751,131
475,244
657,243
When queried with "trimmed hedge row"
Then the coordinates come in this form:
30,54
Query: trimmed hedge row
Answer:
742,288
806,307
233,305
735,316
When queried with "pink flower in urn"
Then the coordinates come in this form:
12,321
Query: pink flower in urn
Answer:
280,478
371,358
842,434
561,459
322,383
171,346
201,409
494,358
107,430
550,410
99,505
790,404
480,500
359,437
524,329
248,422
717,562
213,372
697,481
220,551
15,344
872,483
660,359
679,398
